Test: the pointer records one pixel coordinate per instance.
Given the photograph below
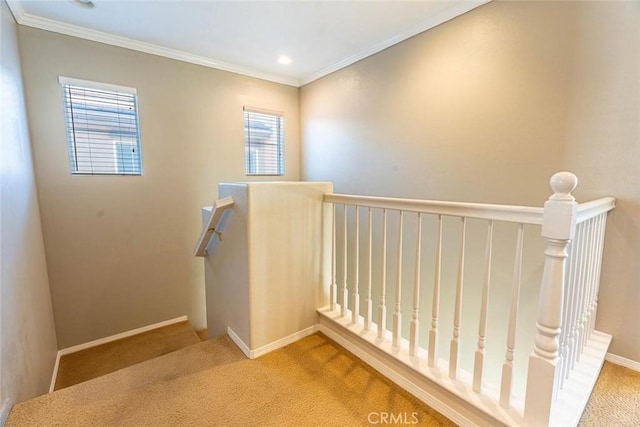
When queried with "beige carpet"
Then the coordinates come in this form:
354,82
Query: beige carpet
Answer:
615,400
313,382
202,334
100,360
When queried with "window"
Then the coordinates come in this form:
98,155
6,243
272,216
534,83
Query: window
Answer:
263,142
102,128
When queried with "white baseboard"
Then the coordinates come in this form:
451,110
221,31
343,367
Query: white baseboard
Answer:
105,340
4,410
619,360
260,351
241,345
122,335
54,377
283,341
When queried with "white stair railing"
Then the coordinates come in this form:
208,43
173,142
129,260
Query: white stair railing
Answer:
567,301
211,226
347,310
568,294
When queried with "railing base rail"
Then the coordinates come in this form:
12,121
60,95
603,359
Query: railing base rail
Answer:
574,395
455,398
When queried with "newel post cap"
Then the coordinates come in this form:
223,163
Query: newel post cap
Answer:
562,184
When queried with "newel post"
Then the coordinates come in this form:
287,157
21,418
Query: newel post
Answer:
558,228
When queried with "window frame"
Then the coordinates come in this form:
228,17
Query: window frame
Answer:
278,118
73,143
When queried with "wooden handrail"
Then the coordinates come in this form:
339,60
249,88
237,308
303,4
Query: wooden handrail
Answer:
209,229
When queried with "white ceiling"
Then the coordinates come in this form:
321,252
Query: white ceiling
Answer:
246,37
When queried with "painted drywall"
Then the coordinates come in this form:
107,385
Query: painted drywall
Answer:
272,235
487,107
120,249
227,269
27,334
285,244
602,147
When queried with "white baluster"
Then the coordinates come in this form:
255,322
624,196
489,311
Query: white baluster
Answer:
568,359
595,262
368,301
558,228
591,261
484,306
580,292
507,365
382,308
455,340
602,221
333,289
345,291
414,328
397,314
591,281
584,285
566,313
434,332
592,273
355,305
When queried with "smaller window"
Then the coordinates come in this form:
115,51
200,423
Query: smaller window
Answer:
263,142
102,128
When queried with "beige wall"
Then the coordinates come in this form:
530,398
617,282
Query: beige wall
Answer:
119,249
486,108
284,241
27,334
272,235
602,147
227,271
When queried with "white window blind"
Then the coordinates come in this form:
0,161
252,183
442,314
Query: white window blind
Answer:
263,142
102,128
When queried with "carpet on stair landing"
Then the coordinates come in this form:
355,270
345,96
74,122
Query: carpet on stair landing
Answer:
312,382
96,361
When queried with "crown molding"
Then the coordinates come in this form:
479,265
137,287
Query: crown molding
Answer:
29,20
433,21
16,9
41,23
